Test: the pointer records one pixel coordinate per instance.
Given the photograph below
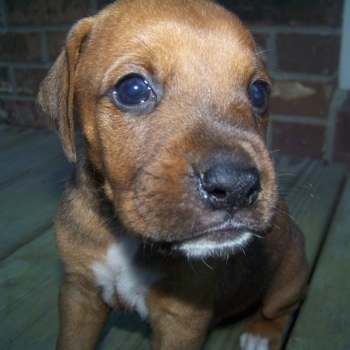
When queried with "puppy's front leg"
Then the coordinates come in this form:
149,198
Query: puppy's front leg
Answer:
82,315
264,334
180,317
177,326
286,292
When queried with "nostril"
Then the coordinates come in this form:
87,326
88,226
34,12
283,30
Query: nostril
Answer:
253,192
215,183
226,186
252,196
218,193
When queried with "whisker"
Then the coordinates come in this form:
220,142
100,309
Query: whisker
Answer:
206,264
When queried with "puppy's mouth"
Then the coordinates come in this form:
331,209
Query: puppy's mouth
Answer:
221,241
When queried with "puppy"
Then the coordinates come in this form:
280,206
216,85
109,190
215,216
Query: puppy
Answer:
173,210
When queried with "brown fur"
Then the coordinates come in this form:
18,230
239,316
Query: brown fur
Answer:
137,176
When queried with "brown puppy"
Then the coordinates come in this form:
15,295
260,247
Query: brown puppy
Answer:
173,211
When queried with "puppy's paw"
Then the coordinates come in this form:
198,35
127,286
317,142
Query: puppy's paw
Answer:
249,341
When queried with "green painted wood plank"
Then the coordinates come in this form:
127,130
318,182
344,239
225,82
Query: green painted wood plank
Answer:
27,153
311,202
224,337
29,281
27,206
39,334
324,320
125,332
10,135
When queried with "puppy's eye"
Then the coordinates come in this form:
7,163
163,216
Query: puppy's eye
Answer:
258,96
133,91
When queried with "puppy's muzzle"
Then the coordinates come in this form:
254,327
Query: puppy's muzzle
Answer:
227,185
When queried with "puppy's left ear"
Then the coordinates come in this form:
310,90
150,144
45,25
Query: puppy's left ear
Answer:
56,94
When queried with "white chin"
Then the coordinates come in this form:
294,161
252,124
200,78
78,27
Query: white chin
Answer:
204,248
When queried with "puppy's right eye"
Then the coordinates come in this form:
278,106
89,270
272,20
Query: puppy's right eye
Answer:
258,95
133,92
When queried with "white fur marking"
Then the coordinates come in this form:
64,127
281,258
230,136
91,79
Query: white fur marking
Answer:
248,341
117,274
202,249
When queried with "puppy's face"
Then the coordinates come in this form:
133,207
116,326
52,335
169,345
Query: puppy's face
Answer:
172,100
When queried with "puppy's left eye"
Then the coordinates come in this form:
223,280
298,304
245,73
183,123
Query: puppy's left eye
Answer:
133,92
258,96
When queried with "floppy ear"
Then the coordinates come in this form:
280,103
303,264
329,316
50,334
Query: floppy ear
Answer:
56,93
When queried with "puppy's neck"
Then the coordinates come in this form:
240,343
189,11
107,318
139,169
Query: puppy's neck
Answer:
90,182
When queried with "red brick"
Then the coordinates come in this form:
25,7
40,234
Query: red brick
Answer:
292,12
5,84
19,47
298,139
300,98
28,12
308,53
22,113
341,150
261,42
28,80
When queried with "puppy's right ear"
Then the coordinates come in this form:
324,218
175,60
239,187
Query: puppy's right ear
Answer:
56,93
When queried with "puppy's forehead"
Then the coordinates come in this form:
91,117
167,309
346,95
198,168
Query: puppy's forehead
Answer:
191,39
204,51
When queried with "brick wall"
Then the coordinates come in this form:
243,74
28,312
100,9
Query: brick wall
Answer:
31,35
299,41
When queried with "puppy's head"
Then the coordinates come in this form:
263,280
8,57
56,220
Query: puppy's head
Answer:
172,100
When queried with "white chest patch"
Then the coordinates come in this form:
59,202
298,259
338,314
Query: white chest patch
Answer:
117,274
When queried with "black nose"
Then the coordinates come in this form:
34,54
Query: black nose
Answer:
226,185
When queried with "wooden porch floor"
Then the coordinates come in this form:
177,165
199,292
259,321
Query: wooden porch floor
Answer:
32,174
